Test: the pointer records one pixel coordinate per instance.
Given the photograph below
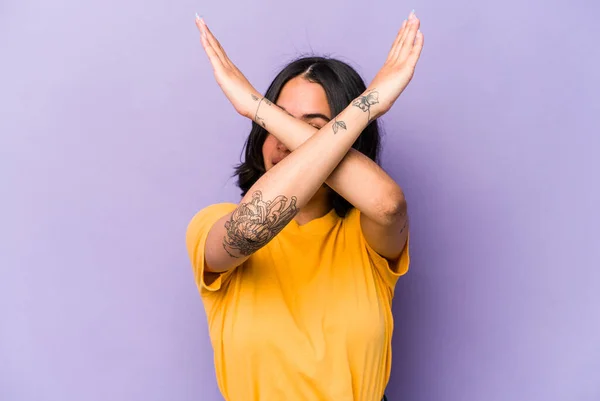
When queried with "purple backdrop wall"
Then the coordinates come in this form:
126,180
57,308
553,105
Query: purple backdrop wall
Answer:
113,134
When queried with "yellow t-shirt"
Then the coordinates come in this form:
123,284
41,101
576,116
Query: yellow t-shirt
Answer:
307,317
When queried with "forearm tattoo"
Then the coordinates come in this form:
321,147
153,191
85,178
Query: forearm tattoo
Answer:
258,119
252,225
365,102
337,125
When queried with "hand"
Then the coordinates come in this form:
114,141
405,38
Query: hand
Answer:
397,71
231,80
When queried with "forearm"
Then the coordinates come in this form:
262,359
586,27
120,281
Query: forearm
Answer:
357,178
367,187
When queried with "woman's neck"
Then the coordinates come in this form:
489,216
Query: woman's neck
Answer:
318,206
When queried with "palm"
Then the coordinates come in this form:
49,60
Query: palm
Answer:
399,67
230,79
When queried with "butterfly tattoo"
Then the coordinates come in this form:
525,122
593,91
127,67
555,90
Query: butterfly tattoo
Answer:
365,102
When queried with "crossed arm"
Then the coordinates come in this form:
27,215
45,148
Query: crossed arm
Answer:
356,177
277,196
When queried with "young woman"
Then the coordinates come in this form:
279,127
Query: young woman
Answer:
297,279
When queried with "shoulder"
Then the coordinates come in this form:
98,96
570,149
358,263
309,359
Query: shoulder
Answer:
216,209
207,216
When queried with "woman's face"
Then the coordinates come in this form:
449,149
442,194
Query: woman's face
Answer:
303,100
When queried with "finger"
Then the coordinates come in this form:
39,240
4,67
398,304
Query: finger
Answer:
198,23
216,45
415,53
214,59
395,45
409,41
210,38
403,36
400,33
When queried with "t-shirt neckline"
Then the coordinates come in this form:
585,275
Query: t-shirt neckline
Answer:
315,226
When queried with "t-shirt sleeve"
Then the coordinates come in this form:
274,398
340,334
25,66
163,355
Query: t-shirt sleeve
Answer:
390,271
196,234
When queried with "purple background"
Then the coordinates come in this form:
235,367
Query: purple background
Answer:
114,133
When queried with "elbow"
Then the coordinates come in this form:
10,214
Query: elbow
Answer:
393,208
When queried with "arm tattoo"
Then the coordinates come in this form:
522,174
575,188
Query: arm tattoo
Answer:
252,225
337,125
365,102
258,119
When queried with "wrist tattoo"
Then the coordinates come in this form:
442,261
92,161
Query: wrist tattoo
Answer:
337,125
365,102
252,225
258,119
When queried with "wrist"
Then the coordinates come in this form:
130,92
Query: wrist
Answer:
257,105
252,101
369,102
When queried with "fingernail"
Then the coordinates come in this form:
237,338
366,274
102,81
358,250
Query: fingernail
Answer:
197,16
412,14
